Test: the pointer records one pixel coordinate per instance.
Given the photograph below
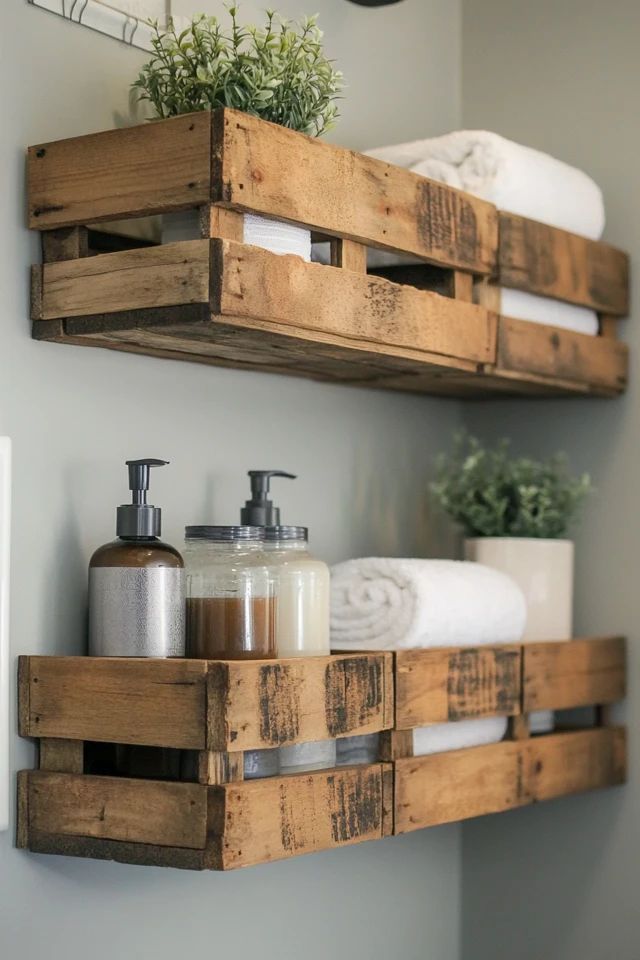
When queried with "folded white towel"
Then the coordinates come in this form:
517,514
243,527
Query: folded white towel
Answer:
456,736
513,177
380,603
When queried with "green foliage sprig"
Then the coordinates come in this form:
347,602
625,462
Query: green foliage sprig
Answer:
491,494
278,72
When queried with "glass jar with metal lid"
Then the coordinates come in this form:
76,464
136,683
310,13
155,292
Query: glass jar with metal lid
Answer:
231,607
301,623
230,594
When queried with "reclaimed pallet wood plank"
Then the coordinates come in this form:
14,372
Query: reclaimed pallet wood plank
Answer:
580,673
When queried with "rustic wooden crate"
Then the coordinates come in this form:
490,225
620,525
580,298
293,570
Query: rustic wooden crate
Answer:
217,709
436,686
219,301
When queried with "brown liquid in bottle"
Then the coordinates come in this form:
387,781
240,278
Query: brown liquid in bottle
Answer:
231,628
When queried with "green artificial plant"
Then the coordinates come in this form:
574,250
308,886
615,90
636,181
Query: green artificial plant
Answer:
492,494
277,72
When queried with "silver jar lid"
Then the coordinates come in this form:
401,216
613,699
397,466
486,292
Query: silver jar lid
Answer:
223,534
285,533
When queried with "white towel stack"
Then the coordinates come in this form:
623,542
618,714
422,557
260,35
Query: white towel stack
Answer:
379,603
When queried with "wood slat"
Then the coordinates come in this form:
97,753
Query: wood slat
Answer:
130,172
269,169
146,702
141,854
447,787
61,756
166,275
530,348
281,817
566,763
256,704
441,685
111,808
254,283
558,676
554,263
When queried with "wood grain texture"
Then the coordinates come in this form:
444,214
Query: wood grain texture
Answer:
250,282
442,685
119,851
580,673
447,787
281,817
271,170
167,275
553,263
262,704
130,172
113,808
531,348
61,756
562,764
147,702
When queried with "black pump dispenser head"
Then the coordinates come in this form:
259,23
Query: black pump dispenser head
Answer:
260,511
139,519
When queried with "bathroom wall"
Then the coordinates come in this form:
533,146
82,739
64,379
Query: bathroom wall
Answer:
363,457
560,881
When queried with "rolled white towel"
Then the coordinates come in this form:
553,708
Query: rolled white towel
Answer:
456,736
381,603
510,175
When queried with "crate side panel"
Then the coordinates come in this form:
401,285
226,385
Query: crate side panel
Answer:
579,673
147,702
438,686
554,263
531,348
111,808
272,170
447,787
130,172
561,764
374,311
272,703
284,817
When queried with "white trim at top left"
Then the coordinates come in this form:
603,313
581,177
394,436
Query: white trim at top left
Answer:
5,532
107,19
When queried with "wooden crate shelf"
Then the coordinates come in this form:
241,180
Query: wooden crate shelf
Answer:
432,328
210,712
436,686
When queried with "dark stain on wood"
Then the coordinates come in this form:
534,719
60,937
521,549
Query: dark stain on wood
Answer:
446,223
279,704
480,682
354,689
356,805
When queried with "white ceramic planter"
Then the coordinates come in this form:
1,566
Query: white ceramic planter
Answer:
544,571
272,235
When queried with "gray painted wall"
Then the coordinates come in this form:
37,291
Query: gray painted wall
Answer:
560,881
76,414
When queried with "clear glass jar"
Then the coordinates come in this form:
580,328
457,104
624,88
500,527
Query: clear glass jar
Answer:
301,624
230,595
231,607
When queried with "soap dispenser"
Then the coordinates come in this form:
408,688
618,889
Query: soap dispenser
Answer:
302,602
136,583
